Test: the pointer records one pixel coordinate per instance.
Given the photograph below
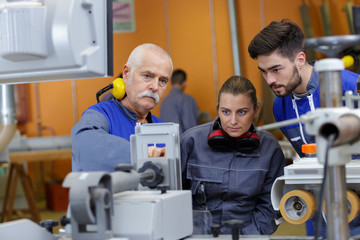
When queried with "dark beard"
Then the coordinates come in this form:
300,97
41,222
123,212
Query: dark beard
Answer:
294,82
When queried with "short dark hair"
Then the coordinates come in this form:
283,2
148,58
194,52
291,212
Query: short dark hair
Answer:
178,77
238,85
284,36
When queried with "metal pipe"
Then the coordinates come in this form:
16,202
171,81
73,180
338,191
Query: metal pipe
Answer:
37,108
348,99
213,48
336,208
335,186
124,181
278,124
7,115
74,100
303,119
234,38
346,129
331,89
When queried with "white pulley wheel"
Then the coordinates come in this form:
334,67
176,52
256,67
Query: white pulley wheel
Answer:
297,206
353,205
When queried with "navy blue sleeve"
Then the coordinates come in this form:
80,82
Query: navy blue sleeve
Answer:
93,148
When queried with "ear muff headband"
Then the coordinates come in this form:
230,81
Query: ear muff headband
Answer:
117,89
248,142
220,141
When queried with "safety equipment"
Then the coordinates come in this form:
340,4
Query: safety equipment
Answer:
117,89
348,61
219,140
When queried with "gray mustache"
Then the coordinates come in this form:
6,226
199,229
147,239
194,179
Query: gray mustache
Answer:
151,94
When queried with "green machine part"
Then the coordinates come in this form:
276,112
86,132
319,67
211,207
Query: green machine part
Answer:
349,15
306,20
308,30
326,18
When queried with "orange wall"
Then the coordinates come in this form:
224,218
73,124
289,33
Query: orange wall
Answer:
190,46
187,36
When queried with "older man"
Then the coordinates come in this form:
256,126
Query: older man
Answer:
100,140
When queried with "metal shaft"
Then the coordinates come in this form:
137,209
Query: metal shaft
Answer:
7,104
303,119
336,210
335,187
330,89
7,115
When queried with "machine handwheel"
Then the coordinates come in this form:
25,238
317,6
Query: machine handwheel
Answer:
297,206
353,204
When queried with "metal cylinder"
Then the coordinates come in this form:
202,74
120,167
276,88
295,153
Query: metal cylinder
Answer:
124,181
335,188
330,91
346,129
7,115
330,81
234,37
336,205
7,104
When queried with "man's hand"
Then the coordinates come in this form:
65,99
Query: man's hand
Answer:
156,152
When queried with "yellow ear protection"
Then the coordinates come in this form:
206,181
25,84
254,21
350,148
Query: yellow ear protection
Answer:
219,140
348,60
117,89
350,57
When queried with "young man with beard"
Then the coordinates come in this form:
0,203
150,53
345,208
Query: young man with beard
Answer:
280,54
100,140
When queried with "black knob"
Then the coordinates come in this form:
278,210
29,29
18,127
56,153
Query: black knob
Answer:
215,230
157,175
234,225
64,221
49,224
163,188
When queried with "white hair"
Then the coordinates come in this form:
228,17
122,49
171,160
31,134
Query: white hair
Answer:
135,58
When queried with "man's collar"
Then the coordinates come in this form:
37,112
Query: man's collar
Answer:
313,82
312,85
130,114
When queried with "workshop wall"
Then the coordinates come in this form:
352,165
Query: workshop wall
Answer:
187,36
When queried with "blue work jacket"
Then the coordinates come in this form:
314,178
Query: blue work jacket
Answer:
284,108
100,140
